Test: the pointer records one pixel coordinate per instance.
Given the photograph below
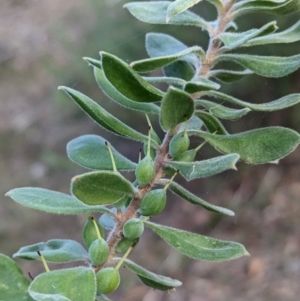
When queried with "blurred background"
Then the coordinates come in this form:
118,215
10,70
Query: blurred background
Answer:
41,46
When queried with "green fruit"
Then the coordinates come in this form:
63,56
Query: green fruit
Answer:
179,144
124,244
154,202
98,251
108,280
89,233
188,156
133,228
145,171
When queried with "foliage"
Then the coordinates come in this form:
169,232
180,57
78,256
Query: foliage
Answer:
183,111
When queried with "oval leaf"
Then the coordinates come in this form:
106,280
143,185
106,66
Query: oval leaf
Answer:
268,66
127,81
91,152
180,69
109,90
200,84
190,197
177,106
221,111
290,35
205,168
233,40
76,284
197,246
102,117
179,6
100,187
155,12
51,201
229,76
148,65
278,104
212,124
13,284
266,145
55,250
151,279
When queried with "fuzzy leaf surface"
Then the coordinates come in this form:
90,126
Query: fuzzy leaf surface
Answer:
91,152
278,7
161,45
102,117
278,104
180,69
75,284
127,81
151,64
233,40
109,90
197,246
205,168
200,84
177,106
51,201
179,6
222,111
268,66
229,76
212,124
154,280
13,284
55,250
100,187
265,145
193,199
155,12
290,35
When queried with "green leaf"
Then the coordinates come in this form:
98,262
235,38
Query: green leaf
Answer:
233,40
51,201
161,45
268,66
91,152
100,187
151,64
75,284
127,81
278,104
107,221
200,84
205,168
55,250
194,123
151,279
229,76
13,284
221,111
177,106
266,145
179,6
191,198
102,117
290,35
155,12
179,69
163,79
197,246
212,124
278,7
119,98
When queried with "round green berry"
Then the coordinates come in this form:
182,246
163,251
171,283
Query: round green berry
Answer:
89,233
98,251
108,280
133,228
154,202
145,171
124,244
179,144
188,156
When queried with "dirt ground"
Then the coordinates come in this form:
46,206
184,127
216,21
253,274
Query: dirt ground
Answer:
35,126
